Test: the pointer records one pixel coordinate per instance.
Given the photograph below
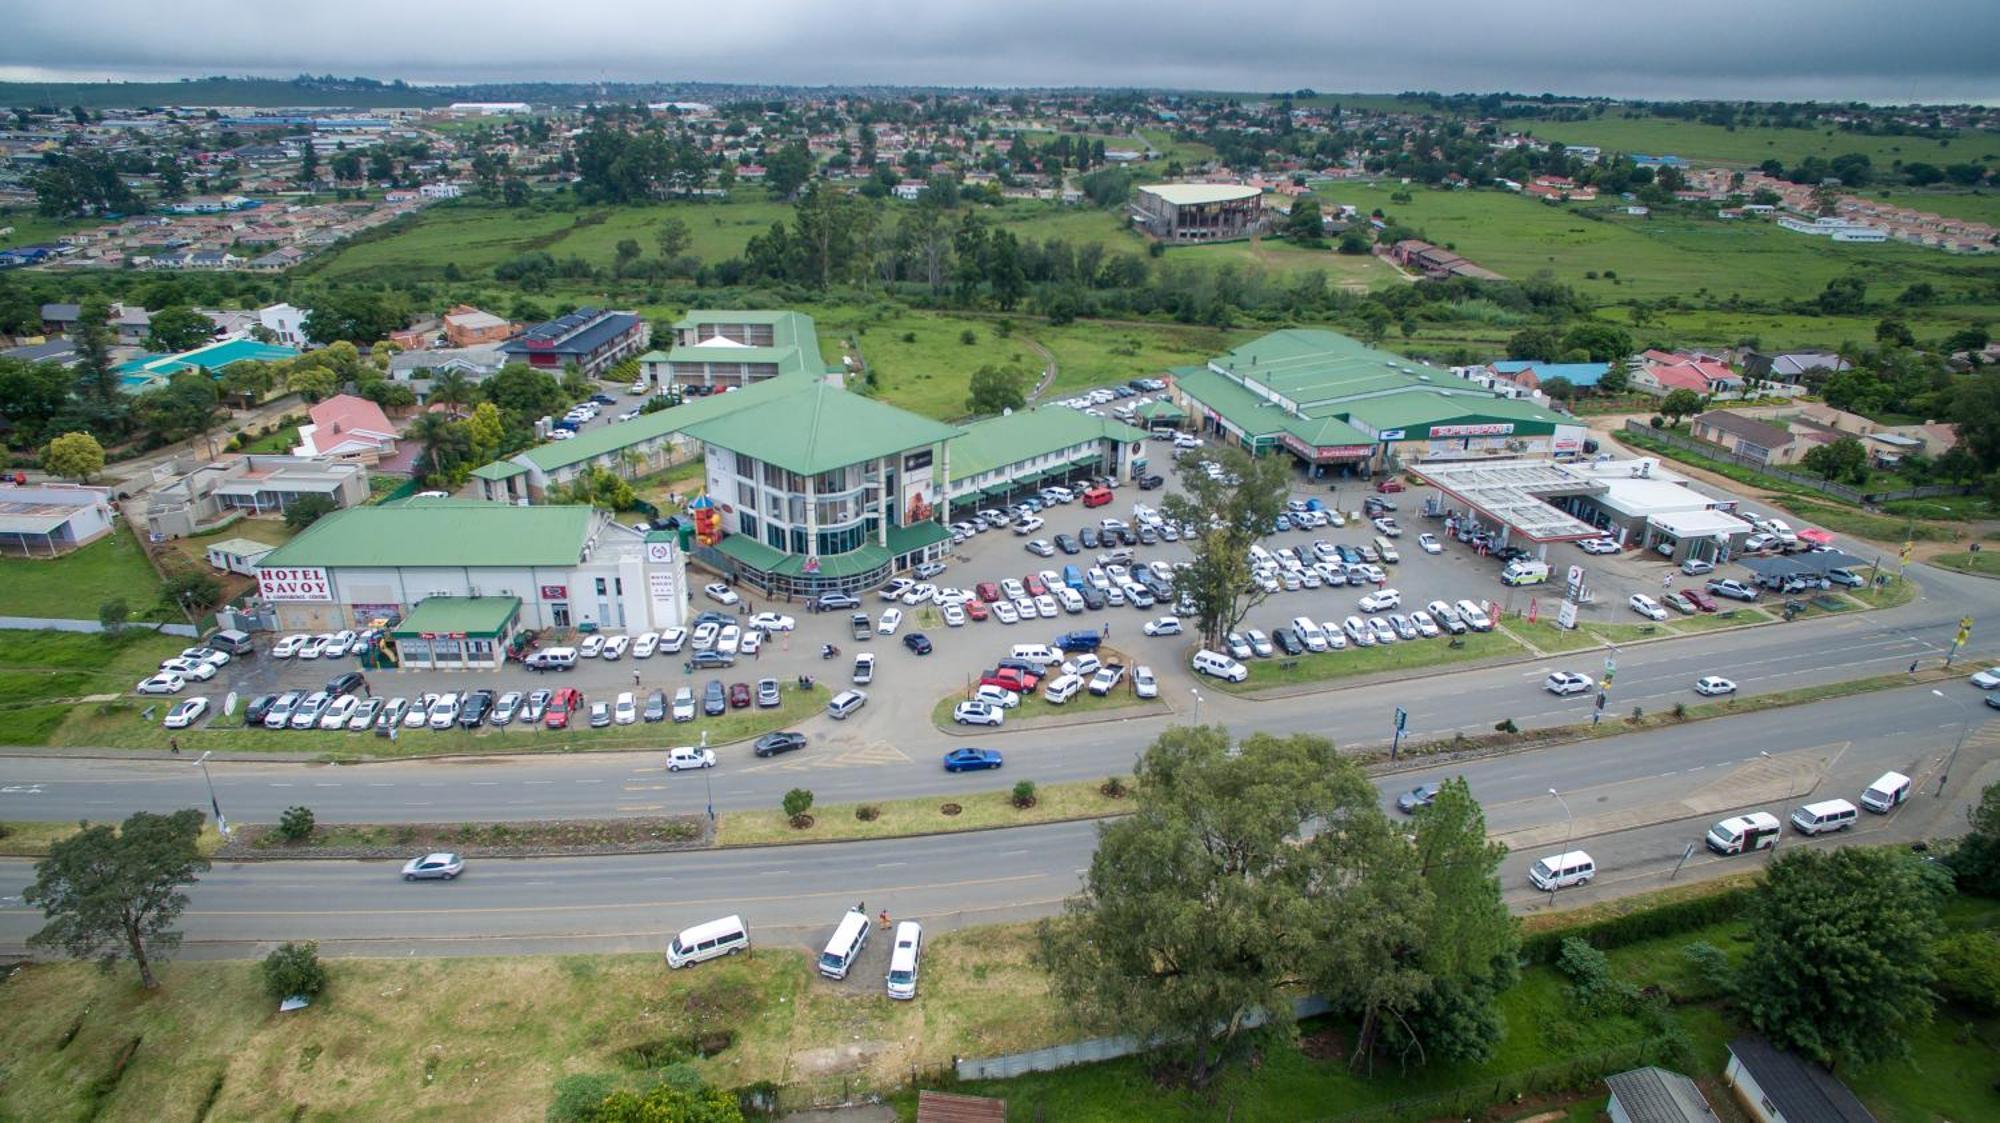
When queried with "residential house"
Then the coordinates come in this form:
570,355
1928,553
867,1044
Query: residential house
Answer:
466,326
594,339
129,325
1706,376
1791,366
348,429
1532,374
1435,262
238,555
440,191
285,322
1778,1087
211,493
45,520
1749,439
417,368
1654,1095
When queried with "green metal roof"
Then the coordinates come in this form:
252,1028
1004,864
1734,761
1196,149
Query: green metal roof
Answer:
1420,408
618,436
1027,433
794,341
1161,408
474,616
765,559
903,539
440,534
817,427
498,470
1238,406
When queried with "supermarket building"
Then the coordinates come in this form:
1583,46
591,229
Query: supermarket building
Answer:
1340,407
457,580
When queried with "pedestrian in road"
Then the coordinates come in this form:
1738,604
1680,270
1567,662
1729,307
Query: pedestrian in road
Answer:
885,920
1107,629
635,676
174,743
1666,580
1913,664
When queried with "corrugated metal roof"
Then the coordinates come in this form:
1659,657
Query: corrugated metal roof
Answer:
441,534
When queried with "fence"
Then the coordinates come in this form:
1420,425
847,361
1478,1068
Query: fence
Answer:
1827,487
1098,1049
57,624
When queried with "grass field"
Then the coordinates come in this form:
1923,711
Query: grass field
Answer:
1985,562
1980,206
45,669
1697,142
32,838
1351,661
71,587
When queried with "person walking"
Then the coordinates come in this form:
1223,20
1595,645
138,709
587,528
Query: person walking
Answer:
174,743
635,676
1107,629
885,920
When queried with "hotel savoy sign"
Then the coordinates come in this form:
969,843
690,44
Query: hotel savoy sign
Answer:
293,583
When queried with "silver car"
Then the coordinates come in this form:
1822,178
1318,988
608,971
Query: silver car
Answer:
442,865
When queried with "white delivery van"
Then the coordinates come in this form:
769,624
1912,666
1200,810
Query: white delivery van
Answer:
708,941
1888,790
1826,815
1040,654
848,939
1560,871
906,960
1524,571
1740,835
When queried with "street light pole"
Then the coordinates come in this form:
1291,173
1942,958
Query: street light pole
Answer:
1964,728
707,784
221,821
1197,703
1569,833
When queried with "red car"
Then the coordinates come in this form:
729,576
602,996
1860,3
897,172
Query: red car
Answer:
986,591
977,610
1389,485
739,695
1011,678
567,701
1034,586
1700,598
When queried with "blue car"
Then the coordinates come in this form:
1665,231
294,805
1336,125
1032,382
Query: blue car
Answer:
971,760
1281,523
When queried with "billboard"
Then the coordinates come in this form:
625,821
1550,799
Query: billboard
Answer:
293,583
1494,429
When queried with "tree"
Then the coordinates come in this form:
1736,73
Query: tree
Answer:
1303,225
179,328
524,394
92,339
1974,406
1540,344
1194,912
1228,514
787,170
1559,388
75,456
307,510
1618,378
451,390
308,164
113,614
192,591
1892,332
114,892
1680,403
293,971
354,315
1842,952
189,405
1975,861
796,803
1843,459
995,389
313,383
486,431
1601,341
673,238
1844,296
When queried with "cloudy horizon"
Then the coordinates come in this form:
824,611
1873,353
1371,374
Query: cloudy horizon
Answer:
1935,51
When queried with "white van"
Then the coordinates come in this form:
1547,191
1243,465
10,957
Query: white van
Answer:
1888,790
1220,665
1040,654
845,946
1309,633
232,641
1740,835
1524,571
1388,551
1560,871
552,659
1826,815
707,941
906,960
1061,689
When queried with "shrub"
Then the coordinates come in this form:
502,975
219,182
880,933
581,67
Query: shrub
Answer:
1710,967
296,824
1680,711
1506,725
867,812
968,337
113,614
579,1095
1024,795
1641,924
1969,970
797,802
1591,981
1638,714
294,969
1113,788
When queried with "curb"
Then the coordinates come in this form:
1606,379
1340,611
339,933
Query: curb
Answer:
1057,721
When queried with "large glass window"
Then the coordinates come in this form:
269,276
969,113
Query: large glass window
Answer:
746,495
774,536
746,524
842,541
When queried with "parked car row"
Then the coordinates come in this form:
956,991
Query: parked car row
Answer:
341,706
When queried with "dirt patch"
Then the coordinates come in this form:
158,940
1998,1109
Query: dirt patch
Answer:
1328,1044
474,840
852,1056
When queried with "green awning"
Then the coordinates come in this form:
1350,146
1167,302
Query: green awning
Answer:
484,617
753,554
908,539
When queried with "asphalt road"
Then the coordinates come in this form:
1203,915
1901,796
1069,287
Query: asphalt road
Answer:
889,750
1637,800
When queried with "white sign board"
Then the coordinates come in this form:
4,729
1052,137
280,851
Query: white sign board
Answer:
1566,615
293,583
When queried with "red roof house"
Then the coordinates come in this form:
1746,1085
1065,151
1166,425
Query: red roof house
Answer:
348,428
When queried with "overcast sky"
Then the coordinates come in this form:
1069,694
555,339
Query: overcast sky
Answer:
1878,50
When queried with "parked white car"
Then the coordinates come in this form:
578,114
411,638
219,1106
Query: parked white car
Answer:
720,593
1646,606
773,622
185,714
1382,600
977,713
892,618
288,647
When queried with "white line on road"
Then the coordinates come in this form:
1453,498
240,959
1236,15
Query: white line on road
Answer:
278,785
586,781
889,865
531,783
485,783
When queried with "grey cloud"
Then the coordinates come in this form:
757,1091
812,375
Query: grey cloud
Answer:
1924,50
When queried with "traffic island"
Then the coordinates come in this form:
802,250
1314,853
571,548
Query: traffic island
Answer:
902,818
534,839
1353,662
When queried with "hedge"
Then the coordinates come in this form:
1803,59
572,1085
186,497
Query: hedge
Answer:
1643,924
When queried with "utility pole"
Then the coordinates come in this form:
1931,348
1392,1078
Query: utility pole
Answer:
221,821
1964,728
1569,833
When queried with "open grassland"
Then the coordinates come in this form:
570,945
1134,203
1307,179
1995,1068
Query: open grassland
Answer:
1699,143
71,587
46,671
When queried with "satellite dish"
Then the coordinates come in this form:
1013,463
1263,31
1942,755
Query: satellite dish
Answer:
229,704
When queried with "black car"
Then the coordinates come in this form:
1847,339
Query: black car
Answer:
1088,536
714,700
918,642
1149,483
477,706
771,744
1417,798
259,706
1093,597
716,618
1511,553
709,658
1288,641
604,399
347,682
656,706
1067,544
1126,536
829,601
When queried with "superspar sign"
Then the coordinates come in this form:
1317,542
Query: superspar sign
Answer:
293,583
1498,429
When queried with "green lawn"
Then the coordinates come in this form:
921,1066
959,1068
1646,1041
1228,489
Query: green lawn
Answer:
1697,142
1985,562
44,669
901,818
1099,354
1351,661
71,587
280,440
